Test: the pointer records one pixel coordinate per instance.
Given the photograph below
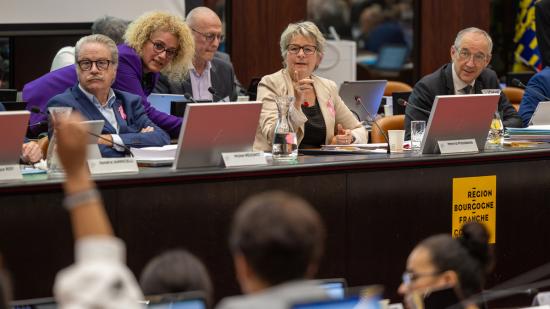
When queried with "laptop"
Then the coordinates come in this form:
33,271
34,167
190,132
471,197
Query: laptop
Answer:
370,92
399,109
335,287
35,303
13,126
184,300
456,117
15,105
541,116
208,129
172,104
391,58
8,95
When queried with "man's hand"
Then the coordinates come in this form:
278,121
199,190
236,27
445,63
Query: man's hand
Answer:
106,139
147,129
31,152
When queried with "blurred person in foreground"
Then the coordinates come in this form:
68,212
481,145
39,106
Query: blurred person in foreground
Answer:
318,115
277,240
440,261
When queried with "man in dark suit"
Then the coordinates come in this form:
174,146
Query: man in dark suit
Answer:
207,71
126,123
542,23
466,74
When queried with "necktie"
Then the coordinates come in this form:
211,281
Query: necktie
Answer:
467,89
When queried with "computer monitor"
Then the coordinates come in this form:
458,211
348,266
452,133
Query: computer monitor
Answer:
209,129
35,303
541,116
391,57
344,303
184,300
15,105
8,95
370,92
335,287
456,117
172,104
13,126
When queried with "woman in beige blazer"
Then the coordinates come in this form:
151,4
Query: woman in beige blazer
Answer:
318,115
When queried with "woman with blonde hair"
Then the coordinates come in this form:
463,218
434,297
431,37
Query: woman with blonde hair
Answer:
155,42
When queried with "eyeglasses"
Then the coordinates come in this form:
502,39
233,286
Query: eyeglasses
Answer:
159,48
295,49
101,65
409,277
464,54
211,36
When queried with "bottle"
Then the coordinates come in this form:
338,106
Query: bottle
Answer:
496,132
285,145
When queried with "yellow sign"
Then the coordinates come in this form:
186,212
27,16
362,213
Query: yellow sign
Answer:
474,199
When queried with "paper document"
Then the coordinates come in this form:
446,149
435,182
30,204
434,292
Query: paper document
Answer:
167,152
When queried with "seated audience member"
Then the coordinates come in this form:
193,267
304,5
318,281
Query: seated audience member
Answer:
466,74
112,27
126,122
31,151
277,241
154,42
537,87
175,271
440,262
207,70
318,115
99,277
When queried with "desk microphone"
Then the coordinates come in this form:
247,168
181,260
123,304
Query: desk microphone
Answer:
214,94
188,96
517,83
358,101
404,103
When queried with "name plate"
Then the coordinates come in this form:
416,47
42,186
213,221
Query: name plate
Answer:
458,146
10,173
233,159
112,165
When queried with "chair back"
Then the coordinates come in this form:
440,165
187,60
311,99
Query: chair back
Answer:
396,122
515,95
395,86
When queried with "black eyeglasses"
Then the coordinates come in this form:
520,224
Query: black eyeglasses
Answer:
159,48
101,65
211,36
295,49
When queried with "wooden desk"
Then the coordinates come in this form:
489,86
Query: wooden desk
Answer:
376,208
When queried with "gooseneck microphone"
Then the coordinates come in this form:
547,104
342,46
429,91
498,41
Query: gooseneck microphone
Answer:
404,103
189,97
358,101
214,94
517,83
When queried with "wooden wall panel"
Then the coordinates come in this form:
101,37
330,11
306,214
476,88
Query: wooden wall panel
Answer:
255,30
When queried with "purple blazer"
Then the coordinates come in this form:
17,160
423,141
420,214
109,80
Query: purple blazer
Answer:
128,78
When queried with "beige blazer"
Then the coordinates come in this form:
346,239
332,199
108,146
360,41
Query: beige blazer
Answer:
334,110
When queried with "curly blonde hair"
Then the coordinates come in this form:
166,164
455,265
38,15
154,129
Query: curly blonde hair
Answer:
141,29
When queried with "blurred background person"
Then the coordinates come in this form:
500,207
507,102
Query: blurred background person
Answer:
318,115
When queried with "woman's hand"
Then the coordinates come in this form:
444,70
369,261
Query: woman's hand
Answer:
303,90
342,136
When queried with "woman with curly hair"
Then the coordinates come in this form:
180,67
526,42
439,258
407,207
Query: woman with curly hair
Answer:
155,42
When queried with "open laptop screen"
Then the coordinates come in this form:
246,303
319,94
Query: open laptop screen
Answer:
370,92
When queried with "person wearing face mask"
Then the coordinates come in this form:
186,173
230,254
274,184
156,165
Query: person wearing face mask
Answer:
155,42
318,115
466,74
440,262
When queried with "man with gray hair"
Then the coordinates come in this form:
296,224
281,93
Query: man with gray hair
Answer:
126,123
466,74
210,77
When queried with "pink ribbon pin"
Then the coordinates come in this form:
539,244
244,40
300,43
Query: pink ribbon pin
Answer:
121,112
330,106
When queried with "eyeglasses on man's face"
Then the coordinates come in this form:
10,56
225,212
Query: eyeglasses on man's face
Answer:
465,55
101,64
159,48
210,37
295,49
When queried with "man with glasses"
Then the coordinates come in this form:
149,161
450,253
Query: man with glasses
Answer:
208,71
466,74
126,123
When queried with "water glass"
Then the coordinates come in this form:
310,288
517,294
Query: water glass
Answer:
418,127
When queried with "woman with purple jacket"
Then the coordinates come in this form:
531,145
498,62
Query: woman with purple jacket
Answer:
155,42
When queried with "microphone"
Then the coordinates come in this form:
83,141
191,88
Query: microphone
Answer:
358,101
517,83
404,103
40,123
126,148
188,96
214,94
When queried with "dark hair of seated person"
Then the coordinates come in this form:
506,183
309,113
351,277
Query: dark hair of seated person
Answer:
469,256
175,271
279,234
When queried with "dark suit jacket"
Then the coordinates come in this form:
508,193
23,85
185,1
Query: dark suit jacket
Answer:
129,129
222,78
441,83
542,23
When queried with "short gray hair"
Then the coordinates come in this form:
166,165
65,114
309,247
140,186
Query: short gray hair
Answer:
110,26
305,28
460,36
101,39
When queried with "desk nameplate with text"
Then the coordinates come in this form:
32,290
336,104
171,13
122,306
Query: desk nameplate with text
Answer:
10,173
234,159
458,146
112,166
